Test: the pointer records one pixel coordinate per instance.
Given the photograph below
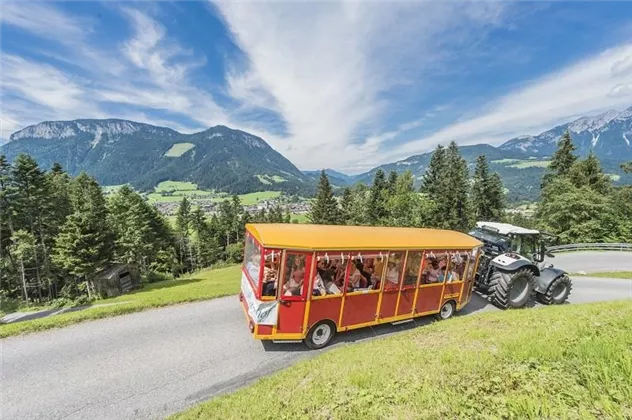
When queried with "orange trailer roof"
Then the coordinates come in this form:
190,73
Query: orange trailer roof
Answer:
325,237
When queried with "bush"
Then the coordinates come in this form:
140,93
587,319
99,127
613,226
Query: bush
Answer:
235,252
65,302
155,276
8,305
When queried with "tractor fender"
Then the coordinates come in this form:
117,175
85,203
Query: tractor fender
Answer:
546,277
514,262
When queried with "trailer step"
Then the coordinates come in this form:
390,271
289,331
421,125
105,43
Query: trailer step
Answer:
402,322
286,341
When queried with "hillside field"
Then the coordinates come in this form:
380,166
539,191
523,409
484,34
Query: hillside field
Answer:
570,361
179,189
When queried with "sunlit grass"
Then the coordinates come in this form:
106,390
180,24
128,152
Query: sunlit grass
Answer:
179,149
608,274
531,164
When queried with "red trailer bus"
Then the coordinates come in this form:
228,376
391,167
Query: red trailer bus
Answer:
307,282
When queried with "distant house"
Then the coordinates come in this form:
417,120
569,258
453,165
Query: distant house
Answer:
117,279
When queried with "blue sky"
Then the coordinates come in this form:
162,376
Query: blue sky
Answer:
346,85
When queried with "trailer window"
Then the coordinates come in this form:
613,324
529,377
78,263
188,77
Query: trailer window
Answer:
271,272
472,265
365,272
456,268
413,263
394,270
252,259
435,267
294,275
329,276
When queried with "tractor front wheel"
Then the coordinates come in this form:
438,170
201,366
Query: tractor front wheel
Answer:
511,290
557,292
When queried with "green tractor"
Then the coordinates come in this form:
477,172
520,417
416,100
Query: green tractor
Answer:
512,267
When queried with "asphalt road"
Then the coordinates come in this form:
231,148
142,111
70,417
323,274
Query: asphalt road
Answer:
154,363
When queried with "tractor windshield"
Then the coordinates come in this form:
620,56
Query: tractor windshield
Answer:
526,245
491,237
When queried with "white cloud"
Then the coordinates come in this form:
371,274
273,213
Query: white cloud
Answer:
583,88
621,90
156,74
41,19
623,66
326,65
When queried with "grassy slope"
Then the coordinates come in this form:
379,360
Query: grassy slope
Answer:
572,361
176,185
204,285
531,164
179,149
301,218
610,274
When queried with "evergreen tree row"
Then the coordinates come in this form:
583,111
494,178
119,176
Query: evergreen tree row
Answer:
447,199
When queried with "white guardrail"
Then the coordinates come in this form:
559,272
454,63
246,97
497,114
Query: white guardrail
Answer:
590,247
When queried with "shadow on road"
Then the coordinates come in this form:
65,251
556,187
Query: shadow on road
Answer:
477,303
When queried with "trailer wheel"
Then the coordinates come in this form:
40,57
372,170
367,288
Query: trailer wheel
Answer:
511,290
320,335
557,292
446,311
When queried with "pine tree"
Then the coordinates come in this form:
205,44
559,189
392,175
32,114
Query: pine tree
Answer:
392,183
32,208
487,195
183,218
324,210
434,173
451,197
7,260
496,197
23,247
358,208
562,161
377,210
404,202
142,235
346,204
588,172
85,244
627,167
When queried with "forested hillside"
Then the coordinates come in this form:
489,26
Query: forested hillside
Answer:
57,232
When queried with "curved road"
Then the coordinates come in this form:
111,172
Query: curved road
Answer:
154,363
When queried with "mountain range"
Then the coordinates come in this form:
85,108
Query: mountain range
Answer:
118,151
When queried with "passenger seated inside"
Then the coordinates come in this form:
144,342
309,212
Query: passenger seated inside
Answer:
269,279
294,284
376,276
433,271
392,276
323,281
457,266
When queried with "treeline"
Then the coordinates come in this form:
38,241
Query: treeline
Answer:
57,232
579,201
448,198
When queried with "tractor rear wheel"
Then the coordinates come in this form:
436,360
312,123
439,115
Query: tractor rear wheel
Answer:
557,292
511,290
